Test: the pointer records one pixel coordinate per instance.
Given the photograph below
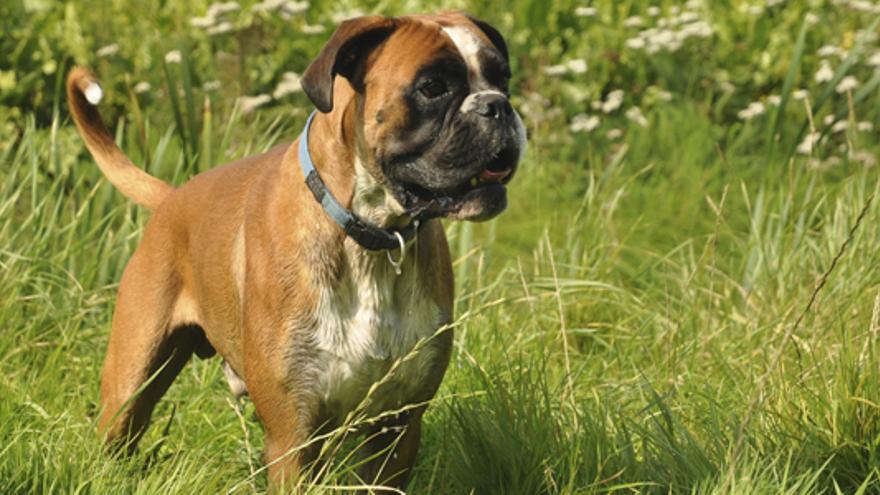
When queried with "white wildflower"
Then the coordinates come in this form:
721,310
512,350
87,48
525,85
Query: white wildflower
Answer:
585,11
662,39
267,6
866,36
800,94
653,11
211,85
828,120
829,51
577,66
612,101
633,22
556,70
290,9
840,126
289,84
867,159
815,164
874,59
578,93
826,164
693,4
848,83
142,87
810,140
774,100
687,17
674,10
250,103
345,15
754,10
726,87
222,28
596,105
219,9
635,114
313,29
172,57
863,6
675,44
824,74
286,8
700,29
106,51
773,3
811,19
754,109
584,123
636,43
202,22
865,126
613,134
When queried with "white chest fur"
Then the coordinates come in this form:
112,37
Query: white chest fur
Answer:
371,319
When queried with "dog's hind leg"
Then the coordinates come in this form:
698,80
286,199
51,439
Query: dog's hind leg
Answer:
146,350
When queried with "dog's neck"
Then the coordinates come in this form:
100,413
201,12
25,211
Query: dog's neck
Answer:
373,202
342,166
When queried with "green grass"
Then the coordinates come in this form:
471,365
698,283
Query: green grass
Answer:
655,313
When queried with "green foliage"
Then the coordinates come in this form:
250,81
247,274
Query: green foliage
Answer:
628,325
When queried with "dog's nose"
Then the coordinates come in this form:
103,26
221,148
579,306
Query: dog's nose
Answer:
493,106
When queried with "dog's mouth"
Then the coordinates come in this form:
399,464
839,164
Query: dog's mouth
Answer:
480,196
498,170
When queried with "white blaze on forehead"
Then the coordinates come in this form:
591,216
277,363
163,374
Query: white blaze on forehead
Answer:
468,45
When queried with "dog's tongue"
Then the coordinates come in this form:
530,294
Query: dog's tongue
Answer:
493,175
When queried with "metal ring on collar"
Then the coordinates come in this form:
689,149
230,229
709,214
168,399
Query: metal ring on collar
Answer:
397,264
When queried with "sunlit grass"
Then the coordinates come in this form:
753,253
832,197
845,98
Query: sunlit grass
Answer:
627,325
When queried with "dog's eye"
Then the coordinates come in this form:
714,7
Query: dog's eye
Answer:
433,88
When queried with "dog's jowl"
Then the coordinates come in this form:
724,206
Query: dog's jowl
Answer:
315,268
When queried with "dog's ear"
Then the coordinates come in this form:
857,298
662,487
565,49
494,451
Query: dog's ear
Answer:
491,33
342,55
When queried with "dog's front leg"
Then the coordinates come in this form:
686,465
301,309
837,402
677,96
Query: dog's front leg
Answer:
289,450
391,450
286,410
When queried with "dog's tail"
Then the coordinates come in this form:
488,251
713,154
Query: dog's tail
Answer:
83,95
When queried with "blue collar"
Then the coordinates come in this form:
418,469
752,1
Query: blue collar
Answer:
368,236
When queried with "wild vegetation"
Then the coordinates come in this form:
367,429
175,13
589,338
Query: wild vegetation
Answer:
683,296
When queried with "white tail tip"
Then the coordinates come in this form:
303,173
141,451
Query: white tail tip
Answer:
94,93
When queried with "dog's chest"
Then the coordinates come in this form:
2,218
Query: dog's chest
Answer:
367,328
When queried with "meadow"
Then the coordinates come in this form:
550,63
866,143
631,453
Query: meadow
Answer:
683,296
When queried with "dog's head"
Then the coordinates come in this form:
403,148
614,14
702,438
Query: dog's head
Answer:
434,123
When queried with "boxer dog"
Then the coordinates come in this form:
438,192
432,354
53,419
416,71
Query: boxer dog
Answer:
319,270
